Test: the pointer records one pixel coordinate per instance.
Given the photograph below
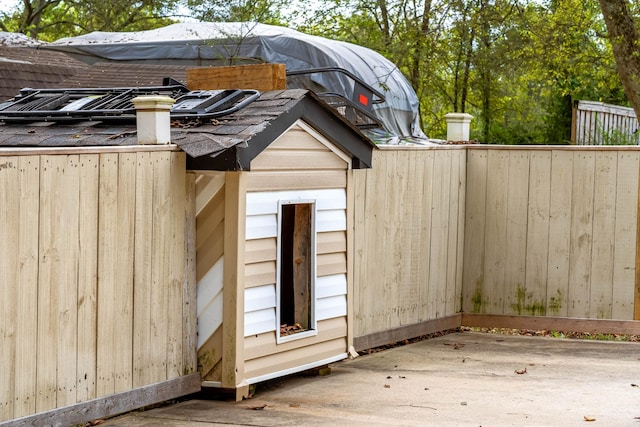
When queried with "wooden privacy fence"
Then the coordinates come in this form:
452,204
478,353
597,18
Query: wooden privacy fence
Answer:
409,230
551,231
493,230
92,267
596,123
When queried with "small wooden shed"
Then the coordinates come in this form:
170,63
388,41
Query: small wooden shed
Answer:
274,220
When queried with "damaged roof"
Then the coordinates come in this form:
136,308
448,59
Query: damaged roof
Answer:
230,142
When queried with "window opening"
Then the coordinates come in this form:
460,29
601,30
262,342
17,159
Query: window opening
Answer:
296,269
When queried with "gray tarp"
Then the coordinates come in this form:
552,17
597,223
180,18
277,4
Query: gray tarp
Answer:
200,43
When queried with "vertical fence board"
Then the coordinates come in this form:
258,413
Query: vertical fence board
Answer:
473,299
160,266
451,297
559,233
495,223
439,234
461,191
175,366
407,180
107,254
26,285
66,240
625,235
516,228
9,232
534,296
87,277
581,234
144,223
603,234
425,236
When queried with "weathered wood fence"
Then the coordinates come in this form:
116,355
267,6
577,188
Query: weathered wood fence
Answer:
596,123
494,230
409,234
92,267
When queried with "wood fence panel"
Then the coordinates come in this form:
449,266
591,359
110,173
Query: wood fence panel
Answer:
143,271
580,222
408,238
581,234
516,228
454,257
495,229
600,306
425,235
159,298
9,232
26,285
474,242
625,226
559,236
87,277
532,298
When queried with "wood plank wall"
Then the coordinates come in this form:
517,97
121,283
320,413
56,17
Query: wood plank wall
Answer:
91,273
551,231
408,238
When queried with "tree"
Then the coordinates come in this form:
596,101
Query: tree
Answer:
625,42
53,19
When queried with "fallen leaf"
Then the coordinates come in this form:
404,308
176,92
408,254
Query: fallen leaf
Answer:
589,418
257,407
387,386
521,371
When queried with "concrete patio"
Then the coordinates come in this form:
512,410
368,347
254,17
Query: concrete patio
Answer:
460,379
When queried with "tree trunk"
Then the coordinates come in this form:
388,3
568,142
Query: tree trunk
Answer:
625,43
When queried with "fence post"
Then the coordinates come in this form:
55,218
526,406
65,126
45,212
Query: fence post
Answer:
153,119
458,126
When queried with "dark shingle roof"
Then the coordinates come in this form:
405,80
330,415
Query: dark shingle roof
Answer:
22,67
227,143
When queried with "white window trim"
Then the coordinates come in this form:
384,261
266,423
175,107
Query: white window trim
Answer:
314,326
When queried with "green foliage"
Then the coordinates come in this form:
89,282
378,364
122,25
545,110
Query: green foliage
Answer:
516,65
49,20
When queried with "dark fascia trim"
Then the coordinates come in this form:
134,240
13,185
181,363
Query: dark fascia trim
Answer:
311,110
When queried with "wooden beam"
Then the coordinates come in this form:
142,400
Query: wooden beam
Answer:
233,287
600,326
262,77
406,332
189,290
111,405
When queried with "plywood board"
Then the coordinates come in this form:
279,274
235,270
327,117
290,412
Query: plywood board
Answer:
261,77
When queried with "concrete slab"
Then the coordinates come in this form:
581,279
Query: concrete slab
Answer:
461,379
